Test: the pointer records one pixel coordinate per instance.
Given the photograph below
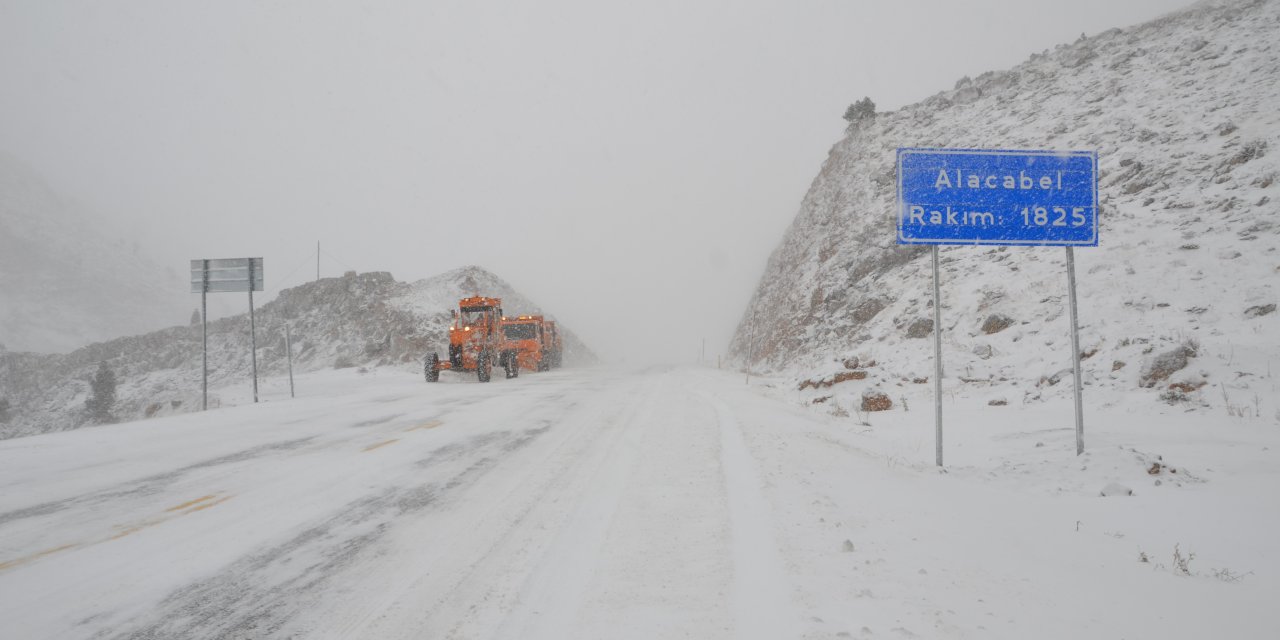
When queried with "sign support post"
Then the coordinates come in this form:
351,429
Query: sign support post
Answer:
204,333
288,348
253,336
937,356
1075,349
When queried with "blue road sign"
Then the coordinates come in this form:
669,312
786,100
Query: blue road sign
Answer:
970,196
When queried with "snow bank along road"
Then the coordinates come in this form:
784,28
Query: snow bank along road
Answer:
664,503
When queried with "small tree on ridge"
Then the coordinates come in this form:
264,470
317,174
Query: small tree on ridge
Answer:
859,112
103,396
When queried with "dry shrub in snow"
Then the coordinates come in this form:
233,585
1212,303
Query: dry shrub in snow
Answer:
1181,563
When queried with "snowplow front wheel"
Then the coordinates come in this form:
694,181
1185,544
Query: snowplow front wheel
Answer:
512,364
484,365
431,368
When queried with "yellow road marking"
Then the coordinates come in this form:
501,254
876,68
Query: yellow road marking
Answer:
35,556
189,503
426,425
191,506
207,505
134,529
186,508
381,444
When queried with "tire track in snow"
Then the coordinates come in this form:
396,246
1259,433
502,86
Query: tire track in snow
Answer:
497,536
260,594
150,485
665,568
553,595
762,591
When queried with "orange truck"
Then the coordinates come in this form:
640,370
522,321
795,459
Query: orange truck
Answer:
534,340
475,342
526,337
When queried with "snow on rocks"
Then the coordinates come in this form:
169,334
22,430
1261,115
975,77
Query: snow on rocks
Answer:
1116,489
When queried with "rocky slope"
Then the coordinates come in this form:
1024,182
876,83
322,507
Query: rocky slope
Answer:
367,320
1184,113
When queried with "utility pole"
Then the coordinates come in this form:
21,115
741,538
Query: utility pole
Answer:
253,334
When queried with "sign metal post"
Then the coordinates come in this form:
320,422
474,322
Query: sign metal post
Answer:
253,337
999,197
204,332
288,348
937,357
1075,349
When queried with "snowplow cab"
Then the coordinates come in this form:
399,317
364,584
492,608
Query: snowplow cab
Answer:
526,337
475,323
475,341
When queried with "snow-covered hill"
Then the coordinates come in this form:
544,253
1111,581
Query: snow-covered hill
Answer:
66,280
358,320
1184,113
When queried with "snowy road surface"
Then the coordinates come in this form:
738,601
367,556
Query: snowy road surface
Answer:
594,503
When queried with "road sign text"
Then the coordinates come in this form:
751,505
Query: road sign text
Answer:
961,196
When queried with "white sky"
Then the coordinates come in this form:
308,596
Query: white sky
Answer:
630,165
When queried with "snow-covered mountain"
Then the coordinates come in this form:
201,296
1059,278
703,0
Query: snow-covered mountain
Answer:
1184,113
66,280
357,320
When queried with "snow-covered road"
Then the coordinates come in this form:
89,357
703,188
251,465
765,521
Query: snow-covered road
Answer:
594,503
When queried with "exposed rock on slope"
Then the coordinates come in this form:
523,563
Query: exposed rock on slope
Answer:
1183,114
356,320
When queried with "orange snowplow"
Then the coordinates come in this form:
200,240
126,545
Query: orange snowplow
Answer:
534,340
475,342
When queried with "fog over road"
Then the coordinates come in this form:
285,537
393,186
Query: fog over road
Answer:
588,503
